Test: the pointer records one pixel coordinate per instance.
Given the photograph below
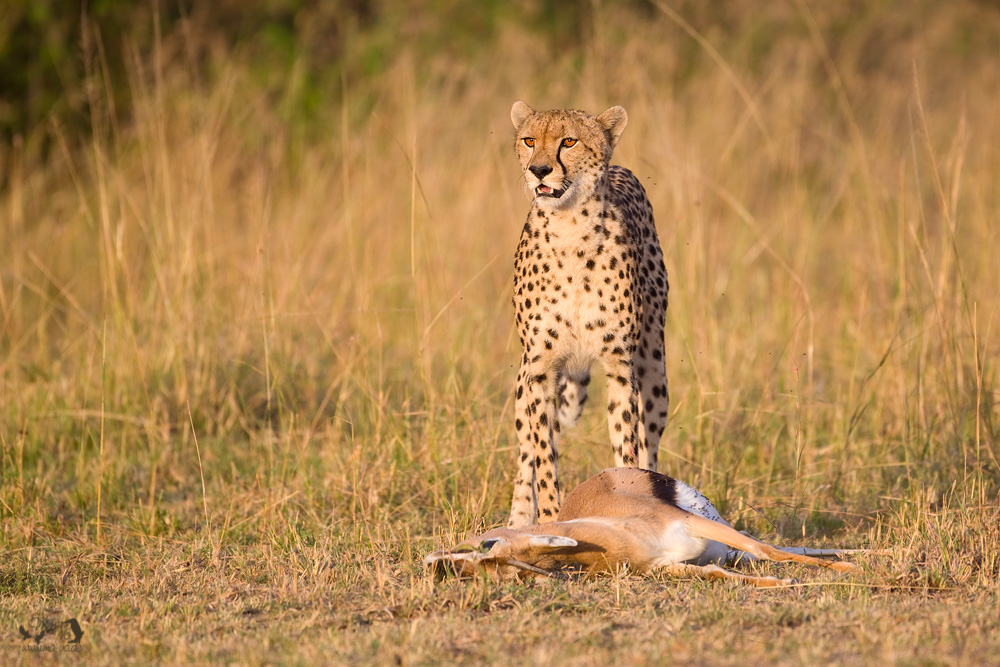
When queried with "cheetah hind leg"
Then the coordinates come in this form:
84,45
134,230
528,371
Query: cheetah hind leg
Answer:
572,396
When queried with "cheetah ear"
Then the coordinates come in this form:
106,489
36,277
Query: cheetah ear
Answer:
519,113
613,121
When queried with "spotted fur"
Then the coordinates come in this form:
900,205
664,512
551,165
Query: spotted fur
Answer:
589,285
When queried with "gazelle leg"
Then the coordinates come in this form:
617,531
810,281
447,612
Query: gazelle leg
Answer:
721,533
774,553
716,572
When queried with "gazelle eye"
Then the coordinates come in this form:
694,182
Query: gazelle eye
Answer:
568,143
529,142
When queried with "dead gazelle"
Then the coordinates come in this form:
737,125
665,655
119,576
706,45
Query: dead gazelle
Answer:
633,517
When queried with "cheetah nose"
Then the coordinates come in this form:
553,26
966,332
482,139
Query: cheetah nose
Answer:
540,170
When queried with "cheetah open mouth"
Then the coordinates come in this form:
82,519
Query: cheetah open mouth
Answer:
546,191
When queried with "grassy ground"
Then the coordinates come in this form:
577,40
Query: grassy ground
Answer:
250,372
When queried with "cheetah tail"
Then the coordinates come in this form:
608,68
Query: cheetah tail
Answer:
572,396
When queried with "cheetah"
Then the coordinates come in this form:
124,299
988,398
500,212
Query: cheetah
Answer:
589,285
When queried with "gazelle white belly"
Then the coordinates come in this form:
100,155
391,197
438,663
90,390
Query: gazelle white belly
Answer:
676,545
692,500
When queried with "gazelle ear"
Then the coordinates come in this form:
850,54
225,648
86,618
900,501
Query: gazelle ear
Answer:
613,121
520,113
547,542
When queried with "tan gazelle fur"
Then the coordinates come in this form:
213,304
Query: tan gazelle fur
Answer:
626,517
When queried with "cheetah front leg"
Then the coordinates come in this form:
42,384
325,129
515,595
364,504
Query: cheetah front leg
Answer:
536,487
623,414
654,401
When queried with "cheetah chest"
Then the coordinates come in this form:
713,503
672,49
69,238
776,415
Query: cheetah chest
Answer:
581,271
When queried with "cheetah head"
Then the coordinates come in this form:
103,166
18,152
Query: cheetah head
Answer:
564,153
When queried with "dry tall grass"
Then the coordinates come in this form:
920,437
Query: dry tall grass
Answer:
234,349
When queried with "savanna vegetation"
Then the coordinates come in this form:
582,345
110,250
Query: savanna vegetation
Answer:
257,348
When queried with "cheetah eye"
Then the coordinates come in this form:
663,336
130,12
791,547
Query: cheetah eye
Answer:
529,142
568,143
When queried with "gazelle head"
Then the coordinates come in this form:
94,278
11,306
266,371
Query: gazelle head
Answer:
502,551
